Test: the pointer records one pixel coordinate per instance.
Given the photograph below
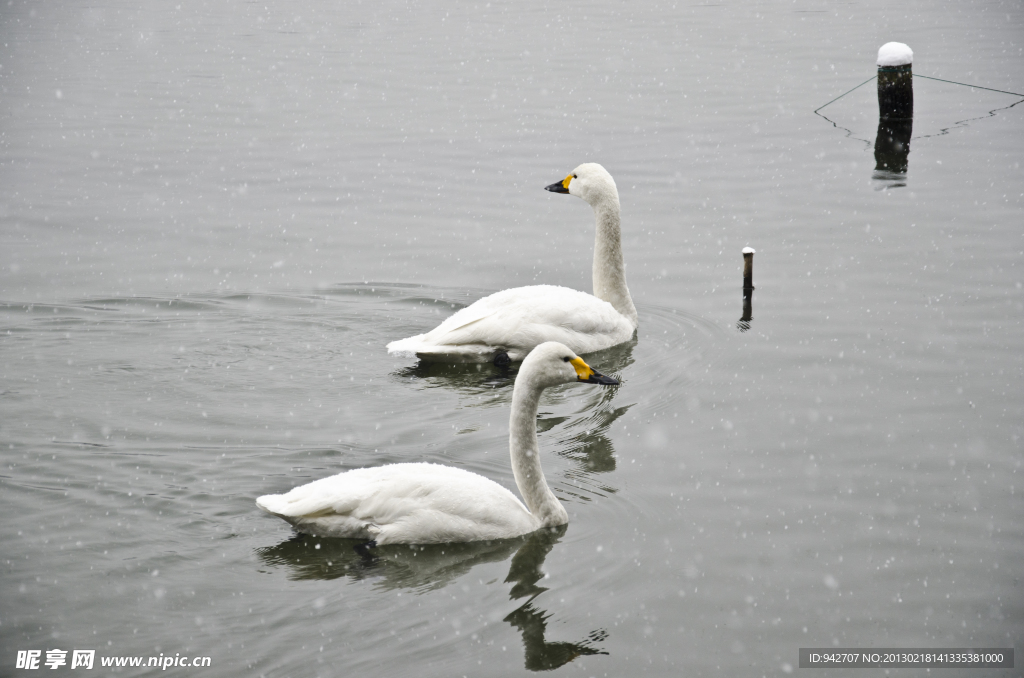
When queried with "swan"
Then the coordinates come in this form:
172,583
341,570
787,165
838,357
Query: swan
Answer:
422,503
506,325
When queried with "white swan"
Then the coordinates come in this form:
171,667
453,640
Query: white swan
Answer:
428,503
506,325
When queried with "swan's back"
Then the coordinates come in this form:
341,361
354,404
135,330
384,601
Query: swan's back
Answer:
516,320
404,503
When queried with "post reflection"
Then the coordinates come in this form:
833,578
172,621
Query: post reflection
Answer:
892,151
430,567
743,324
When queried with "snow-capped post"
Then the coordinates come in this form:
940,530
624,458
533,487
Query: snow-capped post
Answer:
895,110
748,289
895,82
748,269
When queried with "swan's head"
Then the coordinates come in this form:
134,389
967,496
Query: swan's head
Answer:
589,181
552,363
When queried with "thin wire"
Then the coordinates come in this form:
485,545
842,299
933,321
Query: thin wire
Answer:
1001,91
926,77
845,93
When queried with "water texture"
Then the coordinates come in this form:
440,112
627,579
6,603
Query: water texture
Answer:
214,217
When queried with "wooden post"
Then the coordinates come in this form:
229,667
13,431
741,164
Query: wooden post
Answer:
748,289
895,82
748,268
895,109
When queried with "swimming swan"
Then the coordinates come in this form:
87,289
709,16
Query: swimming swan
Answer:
504,326
424,503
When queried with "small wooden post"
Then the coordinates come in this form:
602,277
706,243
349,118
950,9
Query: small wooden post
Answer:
748,269
748,289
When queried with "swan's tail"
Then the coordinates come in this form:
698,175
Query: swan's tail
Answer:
275,504
308,514
296,504
415,347
408,348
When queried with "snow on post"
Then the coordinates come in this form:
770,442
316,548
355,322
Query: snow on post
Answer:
895,82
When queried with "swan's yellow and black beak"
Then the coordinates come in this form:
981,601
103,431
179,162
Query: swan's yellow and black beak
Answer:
588,374
560,186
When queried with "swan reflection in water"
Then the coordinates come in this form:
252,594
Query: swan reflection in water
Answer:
590,448
477,379
430,567
524,573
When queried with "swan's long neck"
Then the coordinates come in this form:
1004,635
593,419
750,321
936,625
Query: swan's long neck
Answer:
526,455
609,269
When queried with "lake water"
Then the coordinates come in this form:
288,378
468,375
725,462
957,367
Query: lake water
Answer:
214,216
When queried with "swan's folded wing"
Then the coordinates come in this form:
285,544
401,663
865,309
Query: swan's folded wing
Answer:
527,316
385,494
450,327
338,495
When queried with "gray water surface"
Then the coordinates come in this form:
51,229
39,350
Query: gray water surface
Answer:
214,217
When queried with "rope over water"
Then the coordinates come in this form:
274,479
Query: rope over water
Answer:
926,77
1001,91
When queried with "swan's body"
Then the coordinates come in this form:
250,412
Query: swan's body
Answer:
429,503
404,504
514,321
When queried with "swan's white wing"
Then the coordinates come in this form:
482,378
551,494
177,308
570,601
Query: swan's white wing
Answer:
519,319
404,503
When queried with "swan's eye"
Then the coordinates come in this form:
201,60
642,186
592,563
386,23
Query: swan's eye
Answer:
566,359
575,177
